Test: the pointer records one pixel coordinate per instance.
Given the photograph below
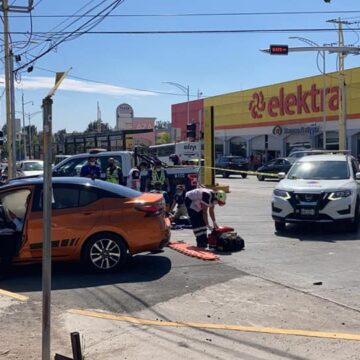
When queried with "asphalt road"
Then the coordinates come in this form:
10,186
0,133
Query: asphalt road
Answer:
270,283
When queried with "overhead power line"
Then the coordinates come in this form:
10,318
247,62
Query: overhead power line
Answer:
205,14
160,32
88,25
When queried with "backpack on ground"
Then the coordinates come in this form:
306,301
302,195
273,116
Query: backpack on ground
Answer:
224,238
230,242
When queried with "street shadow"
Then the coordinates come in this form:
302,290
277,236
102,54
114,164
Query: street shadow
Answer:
139,269
319,232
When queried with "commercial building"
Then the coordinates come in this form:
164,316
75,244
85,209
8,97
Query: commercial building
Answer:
273,120
125,120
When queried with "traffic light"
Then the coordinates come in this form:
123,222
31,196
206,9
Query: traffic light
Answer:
279,49
191,130
1,138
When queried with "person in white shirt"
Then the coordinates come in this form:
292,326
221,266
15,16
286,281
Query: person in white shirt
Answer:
134,177
198,202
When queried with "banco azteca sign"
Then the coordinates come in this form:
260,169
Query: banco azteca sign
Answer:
294,103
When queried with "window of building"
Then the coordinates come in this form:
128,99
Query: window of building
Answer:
237,146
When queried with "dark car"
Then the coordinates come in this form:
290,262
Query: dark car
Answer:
275,166
227,163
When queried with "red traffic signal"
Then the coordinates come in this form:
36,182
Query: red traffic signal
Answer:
279,49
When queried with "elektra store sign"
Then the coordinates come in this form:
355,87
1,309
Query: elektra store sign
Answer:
302,130
302,101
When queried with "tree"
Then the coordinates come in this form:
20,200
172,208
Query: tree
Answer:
60,135
96,126
163,137
162,125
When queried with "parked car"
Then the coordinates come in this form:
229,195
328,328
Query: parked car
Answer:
274,167
227,163
60,158
319,189
95,222
30,167
4,175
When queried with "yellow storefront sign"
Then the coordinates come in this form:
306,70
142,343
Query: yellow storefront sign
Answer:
292,102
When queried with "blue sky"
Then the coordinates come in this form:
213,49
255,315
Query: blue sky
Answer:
212,63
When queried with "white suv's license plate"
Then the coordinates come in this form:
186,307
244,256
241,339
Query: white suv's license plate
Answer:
307,212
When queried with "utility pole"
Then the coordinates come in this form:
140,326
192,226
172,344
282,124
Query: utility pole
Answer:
98,119
342,85
342,104
30,141
23,118
9,84
10,128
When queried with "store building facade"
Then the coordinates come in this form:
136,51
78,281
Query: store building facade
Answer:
274,120
125,120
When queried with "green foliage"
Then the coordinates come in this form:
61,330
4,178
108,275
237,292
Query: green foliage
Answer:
163,137
162,125
97,126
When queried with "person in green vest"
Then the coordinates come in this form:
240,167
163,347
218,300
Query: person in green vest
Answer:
158,178
114,173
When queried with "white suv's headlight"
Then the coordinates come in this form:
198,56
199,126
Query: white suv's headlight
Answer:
340,194
281,193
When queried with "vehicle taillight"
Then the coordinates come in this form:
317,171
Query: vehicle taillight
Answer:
151,209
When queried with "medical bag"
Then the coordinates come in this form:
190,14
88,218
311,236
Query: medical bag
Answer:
224,238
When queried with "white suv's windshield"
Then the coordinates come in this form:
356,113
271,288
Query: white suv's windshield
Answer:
320,170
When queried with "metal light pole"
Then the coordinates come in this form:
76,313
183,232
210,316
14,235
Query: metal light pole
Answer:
322,53
186,90
30,136
23,118
47,201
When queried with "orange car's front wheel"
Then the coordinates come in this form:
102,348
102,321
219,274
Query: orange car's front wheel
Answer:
104,252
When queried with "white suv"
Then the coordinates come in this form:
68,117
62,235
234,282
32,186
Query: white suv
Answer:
318,188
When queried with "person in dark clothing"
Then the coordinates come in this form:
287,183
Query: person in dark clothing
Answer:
197,203
10,237
91,169
175,159
179,202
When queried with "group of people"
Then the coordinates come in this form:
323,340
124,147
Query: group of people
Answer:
157,178
198,204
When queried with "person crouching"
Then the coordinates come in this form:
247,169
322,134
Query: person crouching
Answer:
198,202
179,202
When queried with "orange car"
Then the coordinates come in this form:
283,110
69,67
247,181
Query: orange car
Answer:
93,221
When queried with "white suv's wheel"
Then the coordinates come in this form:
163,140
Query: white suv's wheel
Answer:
354,223
280,226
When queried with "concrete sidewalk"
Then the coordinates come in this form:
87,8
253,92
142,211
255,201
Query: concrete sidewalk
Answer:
245,301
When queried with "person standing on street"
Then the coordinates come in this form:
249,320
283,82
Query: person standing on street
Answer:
114,173
134,177
91,169
199,202
158,178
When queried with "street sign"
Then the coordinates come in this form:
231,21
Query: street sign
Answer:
279,49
